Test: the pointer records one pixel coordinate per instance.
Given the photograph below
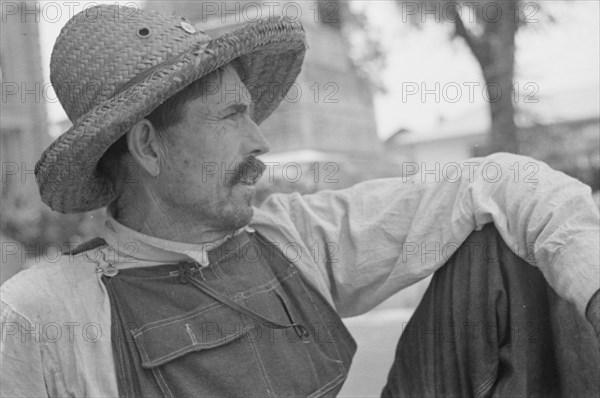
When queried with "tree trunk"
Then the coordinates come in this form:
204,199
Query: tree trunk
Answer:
495,53
498,72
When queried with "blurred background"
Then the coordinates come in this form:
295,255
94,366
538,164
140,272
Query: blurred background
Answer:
385,84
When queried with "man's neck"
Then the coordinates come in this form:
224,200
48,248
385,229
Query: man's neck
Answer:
150,218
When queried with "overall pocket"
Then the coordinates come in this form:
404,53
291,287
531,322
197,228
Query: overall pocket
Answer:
215,351
200,353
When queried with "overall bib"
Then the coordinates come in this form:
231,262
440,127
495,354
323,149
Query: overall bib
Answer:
247,325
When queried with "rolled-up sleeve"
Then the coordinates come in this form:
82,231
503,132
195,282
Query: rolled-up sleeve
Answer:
21,373
383,235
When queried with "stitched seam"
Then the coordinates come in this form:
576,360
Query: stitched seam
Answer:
161,381
216,269
168,321
200,346
261,366
328,387
155,324
485,386
267,287
143,353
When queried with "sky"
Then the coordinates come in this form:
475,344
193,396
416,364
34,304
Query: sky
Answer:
434,86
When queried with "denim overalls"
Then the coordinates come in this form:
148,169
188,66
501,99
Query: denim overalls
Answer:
247,325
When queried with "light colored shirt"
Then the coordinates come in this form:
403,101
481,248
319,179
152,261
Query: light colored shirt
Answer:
357,246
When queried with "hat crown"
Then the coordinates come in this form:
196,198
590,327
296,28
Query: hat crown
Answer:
104,47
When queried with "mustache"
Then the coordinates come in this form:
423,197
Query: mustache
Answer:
251,168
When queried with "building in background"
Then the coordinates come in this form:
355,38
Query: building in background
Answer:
323,135
561,129
23,125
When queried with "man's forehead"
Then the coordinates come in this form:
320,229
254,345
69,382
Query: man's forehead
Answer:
226,92
229,89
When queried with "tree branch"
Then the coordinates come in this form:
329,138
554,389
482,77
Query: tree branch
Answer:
478,47
461,30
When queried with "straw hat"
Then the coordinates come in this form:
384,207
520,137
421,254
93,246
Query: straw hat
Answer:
112,66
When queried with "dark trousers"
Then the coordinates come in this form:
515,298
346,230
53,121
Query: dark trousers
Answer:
489,325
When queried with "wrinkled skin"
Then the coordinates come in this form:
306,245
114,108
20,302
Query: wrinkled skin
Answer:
196,190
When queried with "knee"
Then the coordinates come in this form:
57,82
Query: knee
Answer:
485,245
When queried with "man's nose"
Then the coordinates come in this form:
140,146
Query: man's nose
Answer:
256,143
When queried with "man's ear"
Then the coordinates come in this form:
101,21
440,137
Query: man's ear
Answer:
145,146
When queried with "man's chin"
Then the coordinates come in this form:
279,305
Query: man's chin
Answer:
238,212
240,219
241,216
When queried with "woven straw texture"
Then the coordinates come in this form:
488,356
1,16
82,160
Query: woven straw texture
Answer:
111,66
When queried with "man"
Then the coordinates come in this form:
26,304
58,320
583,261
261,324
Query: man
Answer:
193,292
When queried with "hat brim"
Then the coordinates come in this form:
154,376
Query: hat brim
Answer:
271,54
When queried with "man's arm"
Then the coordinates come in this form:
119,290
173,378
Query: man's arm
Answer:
383,235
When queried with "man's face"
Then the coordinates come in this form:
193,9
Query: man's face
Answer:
216,135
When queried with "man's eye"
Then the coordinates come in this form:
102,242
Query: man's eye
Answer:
231,115
235,113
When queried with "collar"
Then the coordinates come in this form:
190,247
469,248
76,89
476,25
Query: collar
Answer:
131,248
